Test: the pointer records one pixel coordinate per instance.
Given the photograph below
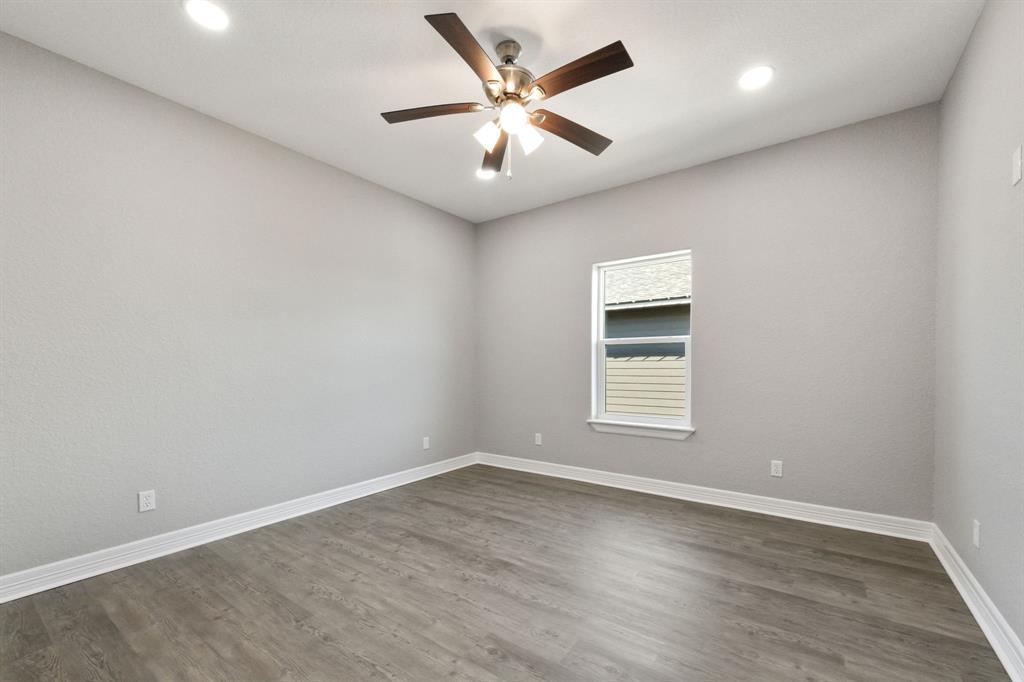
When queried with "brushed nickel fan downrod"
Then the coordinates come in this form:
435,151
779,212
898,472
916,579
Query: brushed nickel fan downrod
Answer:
508,51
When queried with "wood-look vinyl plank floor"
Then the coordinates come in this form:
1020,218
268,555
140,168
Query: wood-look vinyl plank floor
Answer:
485,574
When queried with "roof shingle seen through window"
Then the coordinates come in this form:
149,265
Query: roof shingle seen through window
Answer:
648,282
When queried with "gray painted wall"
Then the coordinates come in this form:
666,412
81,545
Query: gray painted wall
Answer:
979,440
190,308
814,271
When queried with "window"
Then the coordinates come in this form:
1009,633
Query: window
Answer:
641,346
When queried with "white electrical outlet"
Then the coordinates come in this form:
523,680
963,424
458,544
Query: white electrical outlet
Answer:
537,440
1016,165
776,468
976,534
147,500
426,442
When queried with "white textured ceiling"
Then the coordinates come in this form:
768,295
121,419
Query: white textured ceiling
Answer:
314,76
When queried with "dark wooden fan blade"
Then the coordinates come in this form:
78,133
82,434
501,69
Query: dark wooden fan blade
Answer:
598,64
427,112
494,158
462,41
572,131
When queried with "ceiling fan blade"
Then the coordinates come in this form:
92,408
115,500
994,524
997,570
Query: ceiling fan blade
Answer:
462,41
427,112
597,64
571,131
494,158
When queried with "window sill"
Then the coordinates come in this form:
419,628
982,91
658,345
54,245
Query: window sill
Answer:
648,430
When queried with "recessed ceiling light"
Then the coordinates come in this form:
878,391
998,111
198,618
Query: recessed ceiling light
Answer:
756,78
207,14
485,173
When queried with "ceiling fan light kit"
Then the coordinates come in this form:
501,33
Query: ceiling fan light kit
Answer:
488,135
511,88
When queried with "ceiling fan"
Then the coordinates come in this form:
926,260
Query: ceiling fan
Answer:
510,88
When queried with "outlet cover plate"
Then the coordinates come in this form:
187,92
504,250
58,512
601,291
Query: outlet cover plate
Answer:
147,500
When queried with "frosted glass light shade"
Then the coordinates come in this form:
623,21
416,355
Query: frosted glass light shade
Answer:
530,139
488,136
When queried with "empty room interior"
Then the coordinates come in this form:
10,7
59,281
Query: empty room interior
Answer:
485,341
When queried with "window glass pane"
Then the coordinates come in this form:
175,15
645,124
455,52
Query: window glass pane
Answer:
666,281
646,379
662,320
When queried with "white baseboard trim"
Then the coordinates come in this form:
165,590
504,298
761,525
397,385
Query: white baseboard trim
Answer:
802,511
1001,636
48,576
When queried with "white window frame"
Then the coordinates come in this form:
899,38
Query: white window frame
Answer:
633,424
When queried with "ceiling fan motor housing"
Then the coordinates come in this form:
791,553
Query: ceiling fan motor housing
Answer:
516,79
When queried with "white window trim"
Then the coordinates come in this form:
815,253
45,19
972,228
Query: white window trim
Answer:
629,424
635,429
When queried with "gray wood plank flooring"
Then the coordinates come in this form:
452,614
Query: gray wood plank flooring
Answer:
486,574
